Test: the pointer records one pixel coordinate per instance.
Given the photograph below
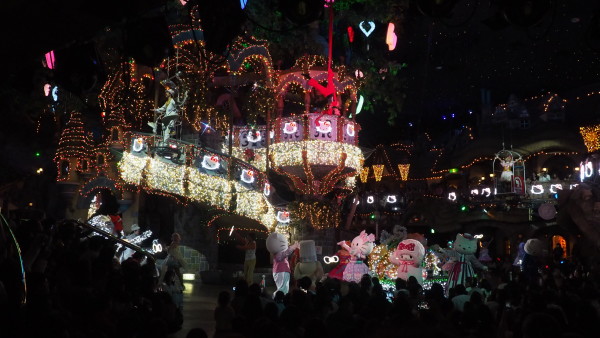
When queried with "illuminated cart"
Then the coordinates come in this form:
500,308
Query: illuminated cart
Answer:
509,173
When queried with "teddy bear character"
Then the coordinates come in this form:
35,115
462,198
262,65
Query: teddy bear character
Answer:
461,260
279,248
361,247
408,257
308,266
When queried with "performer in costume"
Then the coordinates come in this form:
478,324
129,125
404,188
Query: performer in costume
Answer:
277,245
408,257
484,251
360,248
461,260
344,258
308,266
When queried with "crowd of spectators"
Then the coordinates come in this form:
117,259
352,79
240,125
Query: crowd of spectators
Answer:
76,286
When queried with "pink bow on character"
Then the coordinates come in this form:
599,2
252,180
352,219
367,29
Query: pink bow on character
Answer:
404,265
409,247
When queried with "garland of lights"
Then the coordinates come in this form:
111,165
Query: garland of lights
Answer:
318,214
379,262
172,180
289,154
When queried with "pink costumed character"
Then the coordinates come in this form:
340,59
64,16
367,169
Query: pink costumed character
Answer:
408,257
279,248
361,247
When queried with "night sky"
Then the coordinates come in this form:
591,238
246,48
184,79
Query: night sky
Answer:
449,59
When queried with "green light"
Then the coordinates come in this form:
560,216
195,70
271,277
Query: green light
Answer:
464,208
453,170
38,154
433,231
372,216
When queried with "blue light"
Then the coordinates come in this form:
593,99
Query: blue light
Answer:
470,112
443,117
410,124
452,115
243,3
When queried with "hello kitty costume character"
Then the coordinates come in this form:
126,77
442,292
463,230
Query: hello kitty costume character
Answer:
361,247
408,257
277,245
461,260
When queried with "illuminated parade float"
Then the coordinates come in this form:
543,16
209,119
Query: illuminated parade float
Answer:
207,144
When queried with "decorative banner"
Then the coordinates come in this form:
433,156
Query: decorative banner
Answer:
519,185
391,37
403,169
364,30
377,171
364,174
331,260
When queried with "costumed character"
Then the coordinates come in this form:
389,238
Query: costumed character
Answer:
484,251
169,112
361,247
461,260
408,257
507,173
520,255
308,266
344,258
531,260
127,252
277,245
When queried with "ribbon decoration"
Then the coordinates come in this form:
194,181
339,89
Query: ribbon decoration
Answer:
331,259
404,265
409,247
